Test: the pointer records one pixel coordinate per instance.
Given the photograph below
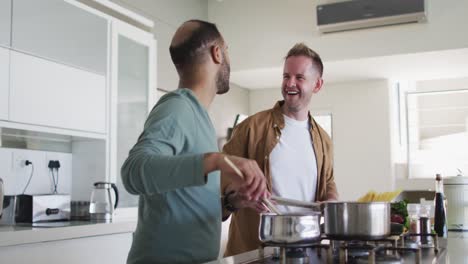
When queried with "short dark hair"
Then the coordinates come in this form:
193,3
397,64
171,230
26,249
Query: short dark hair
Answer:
301,49
192,50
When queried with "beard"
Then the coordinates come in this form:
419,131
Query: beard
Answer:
222,78
298,102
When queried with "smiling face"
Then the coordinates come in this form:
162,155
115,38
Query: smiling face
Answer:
300,80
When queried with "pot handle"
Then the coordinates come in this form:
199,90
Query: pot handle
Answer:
116,190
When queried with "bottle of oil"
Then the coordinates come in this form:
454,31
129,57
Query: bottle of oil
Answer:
440,221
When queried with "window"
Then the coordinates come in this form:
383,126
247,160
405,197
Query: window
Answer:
325,121
437,133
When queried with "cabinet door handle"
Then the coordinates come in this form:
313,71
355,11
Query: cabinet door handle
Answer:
51,211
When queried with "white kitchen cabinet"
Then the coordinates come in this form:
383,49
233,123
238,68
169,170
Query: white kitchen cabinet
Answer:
4,65
97,249
132,96
51,94
5,22
62,32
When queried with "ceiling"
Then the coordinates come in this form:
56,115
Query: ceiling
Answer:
259,34
417,66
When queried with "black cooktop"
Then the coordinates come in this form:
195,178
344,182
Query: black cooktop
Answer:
309,255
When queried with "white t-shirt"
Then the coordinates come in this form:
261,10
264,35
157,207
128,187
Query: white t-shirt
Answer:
293,164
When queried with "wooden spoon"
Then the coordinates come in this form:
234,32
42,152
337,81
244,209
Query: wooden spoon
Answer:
265,201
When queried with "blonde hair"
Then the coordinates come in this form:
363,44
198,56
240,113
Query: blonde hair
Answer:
301,49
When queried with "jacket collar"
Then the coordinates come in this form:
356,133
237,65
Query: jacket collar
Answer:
278,119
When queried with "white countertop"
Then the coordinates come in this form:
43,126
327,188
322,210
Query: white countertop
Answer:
457,248
26,233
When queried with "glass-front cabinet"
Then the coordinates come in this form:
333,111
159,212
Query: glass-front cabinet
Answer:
133,93
5,22
4,73
5,33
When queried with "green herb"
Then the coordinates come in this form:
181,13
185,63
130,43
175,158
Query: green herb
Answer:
400,208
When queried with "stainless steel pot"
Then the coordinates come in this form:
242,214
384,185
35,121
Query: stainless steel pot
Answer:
354,220
294,228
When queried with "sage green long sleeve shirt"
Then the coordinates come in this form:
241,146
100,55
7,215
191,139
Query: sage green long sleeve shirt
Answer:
179,212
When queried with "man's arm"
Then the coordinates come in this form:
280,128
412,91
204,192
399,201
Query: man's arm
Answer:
154,164
332,192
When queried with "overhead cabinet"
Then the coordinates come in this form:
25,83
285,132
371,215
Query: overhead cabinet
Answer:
53,65
4,63
5,22
52,94
61,32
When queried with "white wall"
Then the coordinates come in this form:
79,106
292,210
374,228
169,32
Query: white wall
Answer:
260,32
167,15
225,107
361,132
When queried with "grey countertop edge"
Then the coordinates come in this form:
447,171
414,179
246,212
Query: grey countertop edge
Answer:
24,234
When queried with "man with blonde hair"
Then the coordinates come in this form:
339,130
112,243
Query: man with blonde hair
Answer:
293,151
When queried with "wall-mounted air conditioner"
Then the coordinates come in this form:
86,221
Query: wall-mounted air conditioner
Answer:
358,14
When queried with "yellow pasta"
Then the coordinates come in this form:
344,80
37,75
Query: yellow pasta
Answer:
373,196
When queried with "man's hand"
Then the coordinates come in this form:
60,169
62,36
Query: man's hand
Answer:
251,180
239,200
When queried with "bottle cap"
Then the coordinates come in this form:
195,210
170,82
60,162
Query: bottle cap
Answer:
438,177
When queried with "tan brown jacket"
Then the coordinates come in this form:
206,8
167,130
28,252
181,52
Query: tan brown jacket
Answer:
255,138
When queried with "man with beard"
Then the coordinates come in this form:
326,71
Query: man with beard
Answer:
294,152
174,166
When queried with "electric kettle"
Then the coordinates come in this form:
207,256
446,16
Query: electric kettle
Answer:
101,207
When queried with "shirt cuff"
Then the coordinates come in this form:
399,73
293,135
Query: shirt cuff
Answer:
199,177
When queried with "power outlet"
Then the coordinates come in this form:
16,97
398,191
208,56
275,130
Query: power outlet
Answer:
40,180
19,162
54,164
59,165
